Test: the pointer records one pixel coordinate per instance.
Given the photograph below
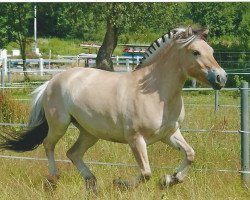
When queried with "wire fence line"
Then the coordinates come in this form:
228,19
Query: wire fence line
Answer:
184,89
31,85
22,158
182,129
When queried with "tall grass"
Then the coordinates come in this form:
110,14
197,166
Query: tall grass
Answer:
12,111
214,150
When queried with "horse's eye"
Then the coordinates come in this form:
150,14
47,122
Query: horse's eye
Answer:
196,53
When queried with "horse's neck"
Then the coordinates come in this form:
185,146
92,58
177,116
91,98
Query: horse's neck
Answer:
165,78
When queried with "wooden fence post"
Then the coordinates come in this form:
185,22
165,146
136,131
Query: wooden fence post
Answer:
41,66
2,79
117,60
4,66
127,65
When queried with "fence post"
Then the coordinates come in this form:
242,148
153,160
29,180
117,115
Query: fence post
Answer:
117,60
77,60
2,79
41,66
194,82
216,100
9,72
5,66
245,175
127,65
137,60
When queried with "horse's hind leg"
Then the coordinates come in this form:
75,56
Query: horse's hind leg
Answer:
75,154
49,145
57,128
177,141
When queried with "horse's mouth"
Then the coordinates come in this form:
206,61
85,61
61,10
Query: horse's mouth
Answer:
216,86
217,78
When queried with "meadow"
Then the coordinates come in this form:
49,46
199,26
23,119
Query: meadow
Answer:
215,150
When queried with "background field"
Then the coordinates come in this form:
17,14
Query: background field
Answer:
23,179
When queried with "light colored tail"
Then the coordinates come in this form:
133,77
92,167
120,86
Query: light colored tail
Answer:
37,113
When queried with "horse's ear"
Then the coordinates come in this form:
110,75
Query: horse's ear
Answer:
189,31
205,33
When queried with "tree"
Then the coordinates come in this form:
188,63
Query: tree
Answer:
104,57
15,27
221,18
244,27
121,17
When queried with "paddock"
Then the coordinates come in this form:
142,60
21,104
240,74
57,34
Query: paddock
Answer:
219,169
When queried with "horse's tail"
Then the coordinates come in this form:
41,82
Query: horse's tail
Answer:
30,138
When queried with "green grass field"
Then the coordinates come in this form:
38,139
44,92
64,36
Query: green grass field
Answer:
23,179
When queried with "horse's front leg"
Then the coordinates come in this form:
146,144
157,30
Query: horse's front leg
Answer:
177,141
139,149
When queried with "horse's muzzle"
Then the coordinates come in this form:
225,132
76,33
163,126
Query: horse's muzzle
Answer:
217,78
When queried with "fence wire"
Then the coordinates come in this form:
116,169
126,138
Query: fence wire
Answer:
22,158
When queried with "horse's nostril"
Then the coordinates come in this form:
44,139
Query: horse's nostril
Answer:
218,78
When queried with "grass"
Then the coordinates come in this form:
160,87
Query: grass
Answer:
22,179
59,47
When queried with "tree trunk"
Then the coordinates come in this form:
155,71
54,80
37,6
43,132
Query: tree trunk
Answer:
104,56
23,53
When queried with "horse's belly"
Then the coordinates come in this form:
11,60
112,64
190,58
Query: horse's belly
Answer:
113,134
103,127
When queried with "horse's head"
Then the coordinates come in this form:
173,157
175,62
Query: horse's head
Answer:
199,61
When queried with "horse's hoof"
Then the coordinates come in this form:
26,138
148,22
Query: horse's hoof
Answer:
50,183
121,184
167,181
91,185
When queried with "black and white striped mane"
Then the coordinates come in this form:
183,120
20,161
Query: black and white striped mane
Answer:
177,33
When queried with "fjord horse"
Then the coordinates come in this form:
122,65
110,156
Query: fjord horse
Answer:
138,108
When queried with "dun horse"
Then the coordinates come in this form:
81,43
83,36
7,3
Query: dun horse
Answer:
138,108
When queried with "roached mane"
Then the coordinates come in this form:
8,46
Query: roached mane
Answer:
181,35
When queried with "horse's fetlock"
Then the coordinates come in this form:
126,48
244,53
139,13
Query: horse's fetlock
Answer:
146,176
191,156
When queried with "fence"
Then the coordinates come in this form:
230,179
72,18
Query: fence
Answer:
10,66
234,59
244,129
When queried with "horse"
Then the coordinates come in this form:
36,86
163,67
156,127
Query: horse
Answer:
138,108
